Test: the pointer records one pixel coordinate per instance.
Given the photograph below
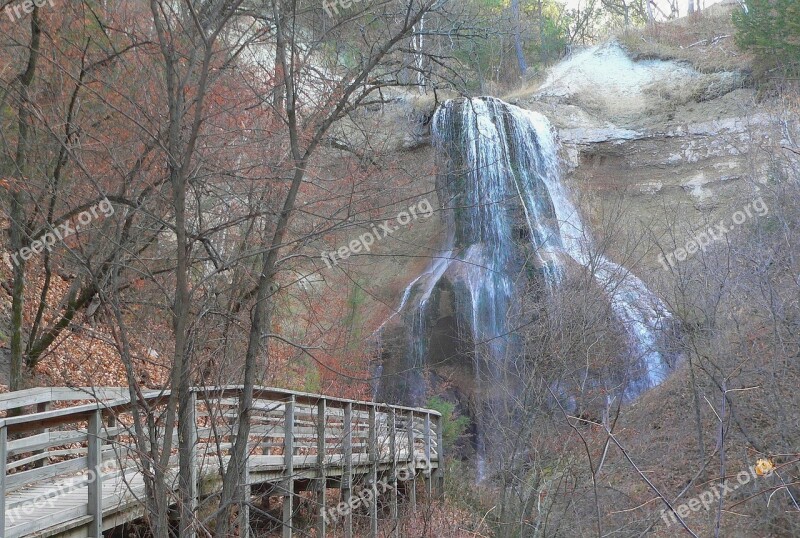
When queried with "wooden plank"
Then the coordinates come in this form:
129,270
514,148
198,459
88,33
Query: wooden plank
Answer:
43,473
67,394
37,458
45,440
24,398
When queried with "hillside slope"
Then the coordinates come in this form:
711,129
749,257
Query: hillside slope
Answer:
689,176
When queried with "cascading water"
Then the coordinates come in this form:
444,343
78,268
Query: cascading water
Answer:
499,184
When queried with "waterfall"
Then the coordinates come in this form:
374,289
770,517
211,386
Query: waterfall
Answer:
500,185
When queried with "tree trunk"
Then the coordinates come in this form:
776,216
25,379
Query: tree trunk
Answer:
18,232
515,11
542,47
181,366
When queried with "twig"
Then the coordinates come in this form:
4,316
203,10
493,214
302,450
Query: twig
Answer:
721,447
713,40
652,486
589,457
796,152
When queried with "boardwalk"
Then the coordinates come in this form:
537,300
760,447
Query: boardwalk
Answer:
71,470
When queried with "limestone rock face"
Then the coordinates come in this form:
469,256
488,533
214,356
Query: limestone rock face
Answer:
657,141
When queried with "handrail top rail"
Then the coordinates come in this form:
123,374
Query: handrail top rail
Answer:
312,398
39,395
82,412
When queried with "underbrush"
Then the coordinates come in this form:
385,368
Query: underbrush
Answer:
705,40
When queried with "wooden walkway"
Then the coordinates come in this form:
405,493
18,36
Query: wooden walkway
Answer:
70,466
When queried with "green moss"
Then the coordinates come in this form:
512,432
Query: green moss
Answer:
355,312
454,425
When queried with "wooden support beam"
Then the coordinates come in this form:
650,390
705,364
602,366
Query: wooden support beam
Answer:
288,468
426,434
391,421
373,471
244,480
347,477
412,464
111,424
438,474
244,509
322,482
3,461
41,407
94,460
191,417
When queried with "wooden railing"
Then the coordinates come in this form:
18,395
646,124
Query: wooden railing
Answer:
86,453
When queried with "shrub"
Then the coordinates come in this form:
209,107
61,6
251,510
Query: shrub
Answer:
454,426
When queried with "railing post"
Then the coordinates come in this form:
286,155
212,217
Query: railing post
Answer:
111,423
4,461
94,461
438,475
42,407
288,464
412,464
347,479
391,420
426,434
373,471
191,417
244,481
322,484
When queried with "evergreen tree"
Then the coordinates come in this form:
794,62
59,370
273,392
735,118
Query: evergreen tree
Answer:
771,30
